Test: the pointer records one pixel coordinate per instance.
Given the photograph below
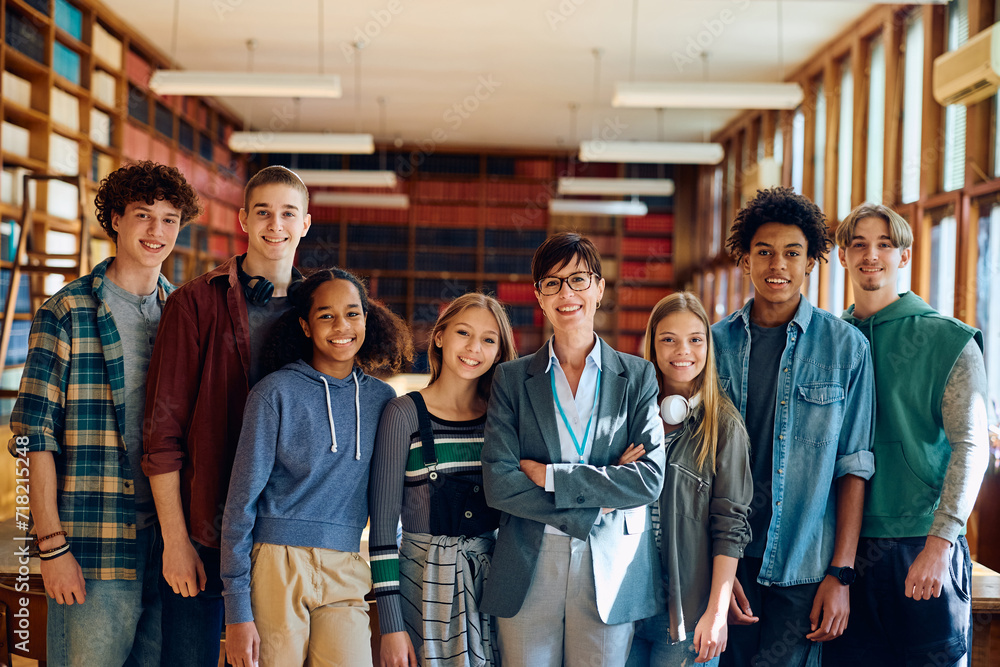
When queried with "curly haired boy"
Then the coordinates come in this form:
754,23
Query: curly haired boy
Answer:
78,420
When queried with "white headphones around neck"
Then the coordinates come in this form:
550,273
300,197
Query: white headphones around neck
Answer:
675,409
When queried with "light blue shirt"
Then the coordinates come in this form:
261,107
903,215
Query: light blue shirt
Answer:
578,410
824,423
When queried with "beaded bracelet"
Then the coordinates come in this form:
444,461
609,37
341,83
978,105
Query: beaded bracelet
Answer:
39,540
54,553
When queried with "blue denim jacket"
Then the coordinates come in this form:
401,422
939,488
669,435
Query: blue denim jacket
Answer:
824,423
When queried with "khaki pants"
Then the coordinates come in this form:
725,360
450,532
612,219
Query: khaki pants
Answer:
309,606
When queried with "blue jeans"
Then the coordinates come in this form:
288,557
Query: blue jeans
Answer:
192,627
778,639
119,624
887,628
651,646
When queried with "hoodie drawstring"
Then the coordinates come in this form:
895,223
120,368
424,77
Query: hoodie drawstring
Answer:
357,417
329,414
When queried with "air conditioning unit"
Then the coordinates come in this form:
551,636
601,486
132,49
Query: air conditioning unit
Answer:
970,73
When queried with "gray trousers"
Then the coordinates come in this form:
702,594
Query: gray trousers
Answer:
559,624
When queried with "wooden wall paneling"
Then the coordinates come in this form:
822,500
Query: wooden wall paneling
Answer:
786,122
831,88
893,31
932,135
979,122
861,59
921,256
809,144
968,253
768,125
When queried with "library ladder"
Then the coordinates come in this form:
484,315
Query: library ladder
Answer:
35,262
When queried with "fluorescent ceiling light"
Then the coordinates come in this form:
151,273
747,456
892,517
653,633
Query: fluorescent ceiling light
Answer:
361,200
596,207
244,84
661,187
348,178
705,95
301,142
655,152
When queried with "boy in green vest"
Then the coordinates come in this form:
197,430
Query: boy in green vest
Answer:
910,602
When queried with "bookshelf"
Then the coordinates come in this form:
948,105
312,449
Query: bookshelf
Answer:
474,222
76,101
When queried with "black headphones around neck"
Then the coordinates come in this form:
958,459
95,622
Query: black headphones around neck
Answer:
259,294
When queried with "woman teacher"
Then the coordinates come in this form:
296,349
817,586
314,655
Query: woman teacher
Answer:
575,561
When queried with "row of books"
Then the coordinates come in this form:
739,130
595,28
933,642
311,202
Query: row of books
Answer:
659,222
650,248
629,295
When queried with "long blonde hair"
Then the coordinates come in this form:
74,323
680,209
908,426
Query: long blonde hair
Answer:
713,400
507,351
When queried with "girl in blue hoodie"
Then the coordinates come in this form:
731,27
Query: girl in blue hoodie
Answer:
297,504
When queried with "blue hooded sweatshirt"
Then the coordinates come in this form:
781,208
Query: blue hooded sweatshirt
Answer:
300,477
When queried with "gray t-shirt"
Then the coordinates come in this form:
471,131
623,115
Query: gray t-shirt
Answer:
262,321
137,318
766,347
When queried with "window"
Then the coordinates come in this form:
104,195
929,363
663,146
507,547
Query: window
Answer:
988,303
798,149
904,279
845,142
913,100
812,288
819,152
954,114
836,284
876,123
944,241
716,240
722,300
779,145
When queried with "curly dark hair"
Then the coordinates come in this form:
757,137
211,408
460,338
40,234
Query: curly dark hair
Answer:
785,206
146,182
388,343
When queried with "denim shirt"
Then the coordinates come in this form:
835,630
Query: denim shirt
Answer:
824,423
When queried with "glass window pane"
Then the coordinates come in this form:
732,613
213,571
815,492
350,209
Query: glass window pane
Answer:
779,146
845,142
716,211
988,304
943,256
954,114
798,149
904,281
913,95
812,287
876,123
836,284
722,300
819,151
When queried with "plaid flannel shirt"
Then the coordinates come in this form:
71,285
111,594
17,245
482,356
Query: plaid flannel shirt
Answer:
72,402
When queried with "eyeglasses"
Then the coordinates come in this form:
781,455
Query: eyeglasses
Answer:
553,284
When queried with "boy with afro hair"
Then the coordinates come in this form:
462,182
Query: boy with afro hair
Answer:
803,383
78,420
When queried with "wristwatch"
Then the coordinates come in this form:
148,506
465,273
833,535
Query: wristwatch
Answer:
844,575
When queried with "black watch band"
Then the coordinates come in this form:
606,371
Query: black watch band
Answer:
845,575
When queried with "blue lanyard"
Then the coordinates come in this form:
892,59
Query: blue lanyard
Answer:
562,413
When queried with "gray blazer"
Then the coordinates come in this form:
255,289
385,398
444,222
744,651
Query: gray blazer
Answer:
521,424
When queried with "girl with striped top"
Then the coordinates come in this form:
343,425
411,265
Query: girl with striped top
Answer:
426,472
